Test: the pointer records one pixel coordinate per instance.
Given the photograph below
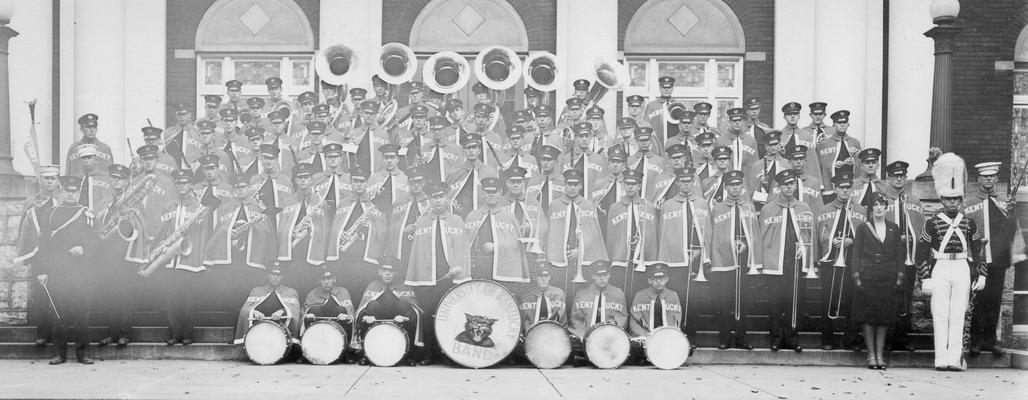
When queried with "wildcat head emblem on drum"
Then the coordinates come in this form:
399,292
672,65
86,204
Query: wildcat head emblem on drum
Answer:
476,331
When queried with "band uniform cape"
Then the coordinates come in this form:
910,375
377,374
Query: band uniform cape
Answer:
405,212
465,183
642,317
619,233
496,225
129,239
174,218
585,308
312,249
411,309
986,211
559,229
837,148
772,222
369,244
29,228
728,225
328,303
830,223
910,214
425,265
258,242
530,300
285,295
684,226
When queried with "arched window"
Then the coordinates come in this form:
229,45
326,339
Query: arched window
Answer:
252,40
1019,139
698,42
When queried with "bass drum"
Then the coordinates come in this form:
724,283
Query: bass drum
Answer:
667,347
323,342
547,344
607,345
385,344
266,343
477,323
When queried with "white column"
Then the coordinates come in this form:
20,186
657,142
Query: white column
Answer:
840,69
873,91
145,53
357,24
100,70
586,30
911,67
31,61
794,55
68,127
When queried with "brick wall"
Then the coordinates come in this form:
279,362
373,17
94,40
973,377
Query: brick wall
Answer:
183,19
983,96
539,17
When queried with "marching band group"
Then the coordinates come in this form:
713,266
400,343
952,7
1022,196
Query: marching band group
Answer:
266,199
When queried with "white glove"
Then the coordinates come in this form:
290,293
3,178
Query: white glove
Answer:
978,284
926,286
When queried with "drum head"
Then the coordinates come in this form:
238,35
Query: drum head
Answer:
323,342
607,346
547,345
667,348
477,323
385,344
266,343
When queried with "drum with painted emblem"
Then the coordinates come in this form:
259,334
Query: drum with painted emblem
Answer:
266,342
607,345
385,344
547,344
477,323
323,342
667,347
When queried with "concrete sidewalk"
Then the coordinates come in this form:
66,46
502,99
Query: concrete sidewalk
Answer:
131,379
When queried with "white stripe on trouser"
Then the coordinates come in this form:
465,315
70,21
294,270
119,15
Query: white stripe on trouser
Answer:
951,281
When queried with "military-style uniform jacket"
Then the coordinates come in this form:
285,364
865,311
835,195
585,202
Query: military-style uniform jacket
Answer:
496,225
589,306
744,149
533,299
735,219
620,230
368,243
836,219
988,212
283,296
259,248
561,231
465,185
684,225
385,302
829,150
643,318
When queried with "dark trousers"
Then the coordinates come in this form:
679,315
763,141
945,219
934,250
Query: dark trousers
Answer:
836,284
115,293
72,302
724,295
780,307
428,298
985,315
898,338
681,282
40,311
179,301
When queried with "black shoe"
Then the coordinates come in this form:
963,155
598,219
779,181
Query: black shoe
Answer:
827,347
996,351
797,348
364,362
40,342
187,342
774,347
84,360
743,345
722,346
124,341
941,369
426,361
105,341
410,362
58,360
171,342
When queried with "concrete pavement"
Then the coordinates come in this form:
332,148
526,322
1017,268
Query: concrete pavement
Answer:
148,379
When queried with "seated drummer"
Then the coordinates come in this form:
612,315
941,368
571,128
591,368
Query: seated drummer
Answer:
541,301
328,301
600,302
397,305
282,308
652,308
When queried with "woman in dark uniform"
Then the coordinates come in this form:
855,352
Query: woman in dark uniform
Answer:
877,272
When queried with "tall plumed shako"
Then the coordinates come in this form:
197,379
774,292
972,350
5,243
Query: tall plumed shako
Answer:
950,175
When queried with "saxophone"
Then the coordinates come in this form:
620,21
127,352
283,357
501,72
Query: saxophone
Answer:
122,208
176,244
302,229
239,228
353,233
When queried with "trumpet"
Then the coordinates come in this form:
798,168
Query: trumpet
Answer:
697,251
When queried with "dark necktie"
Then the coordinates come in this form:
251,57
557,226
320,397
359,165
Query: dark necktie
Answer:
658,314
544,195
442,267
544,309
572,229
84,194
519,211
790,244
600,305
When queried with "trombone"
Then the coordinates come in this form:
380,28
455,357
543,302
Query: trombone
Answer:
839,266
804,247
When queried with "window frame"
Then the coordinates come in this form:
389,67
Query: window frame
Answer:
710,93
289,89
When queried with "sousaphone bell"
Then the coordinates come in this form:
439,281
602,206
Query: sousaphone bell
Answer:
446,72
498,67
397,63
335,64
540,71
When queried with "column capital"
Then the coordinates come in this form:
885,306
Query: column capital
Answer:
943,36
6,33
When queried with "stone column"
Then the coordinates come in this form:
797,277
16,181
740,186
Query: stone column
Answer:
357,24
586,30
942,86
840,66
100,71
794,55
910,82
7,172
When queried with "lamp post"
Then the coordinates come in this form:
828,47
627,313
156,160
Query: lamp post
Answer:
7,172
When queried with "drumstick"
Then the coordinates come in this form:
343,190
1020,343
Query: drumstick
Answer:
51,299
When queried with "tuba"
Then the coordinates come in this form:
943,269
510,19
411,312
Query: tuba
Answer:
396,63
610,75
540,71
335,64
498,67
446,72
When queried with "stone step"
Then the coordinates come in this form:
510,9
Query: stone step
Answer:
212,351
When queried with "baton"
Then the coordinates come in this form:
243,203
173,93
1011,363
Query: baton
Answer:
52,305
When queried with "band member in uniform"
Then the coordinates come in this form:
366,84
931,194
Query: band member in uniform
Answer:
67,247
117,284
573,114
496,253
634,111
793,135
656,110
573,231
808,187
274,86
654,307
311,153
580,157
631,234
405,213
700,125
837,149
204,145
515,153
357,235
273,186
753,124
440,154
183,269
664,185
165,164
610,188
271,301
413,138
212,103
243,243
993,213
389,299
233,89
329,301
866,182
386,101
548,185
685,237
303,229
838,221
787,233
948,261
646,160
541,301
762,174
29,231
176,136
742,142
817,129
87,125
334,182
906,212
389,183
598,138
527,212
597,303
438,257
465,178
625,138
96,184
714,185
702,157
736,251
279,137
877,275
